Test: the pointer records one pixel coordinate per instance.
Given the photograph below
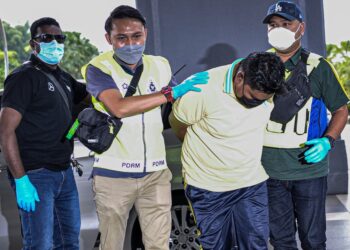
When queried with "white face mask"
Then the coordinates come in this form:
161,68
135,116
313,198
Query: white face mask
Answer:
282,38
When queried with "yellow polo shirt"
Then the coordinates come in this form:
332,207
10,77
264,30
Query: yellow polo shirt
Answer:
223,144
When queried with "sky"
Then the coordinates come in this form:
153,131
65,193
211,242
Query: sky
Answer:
84,16
88,16
337,20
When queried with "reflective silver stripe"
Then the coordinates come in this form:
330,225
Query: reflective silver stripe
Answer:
143,137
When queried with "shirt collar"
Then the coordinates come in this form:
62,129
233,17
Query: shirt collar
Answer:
295,58
228,85
291,61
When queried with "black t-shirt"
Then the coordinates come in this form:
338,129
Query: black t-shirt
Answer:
45,117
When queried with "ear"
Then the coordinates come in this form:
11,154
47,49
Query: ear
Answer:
238,80
146,33
108,38
34,46
302,28
240,76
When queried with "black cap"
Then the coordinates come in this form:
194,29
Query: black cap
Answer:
285,9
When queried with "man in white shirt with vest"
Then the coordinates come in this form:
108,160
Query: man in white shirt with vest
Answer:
298,136
133,171
222,129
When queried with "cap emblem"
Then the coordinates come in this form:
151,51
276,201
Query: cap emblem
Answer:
278,8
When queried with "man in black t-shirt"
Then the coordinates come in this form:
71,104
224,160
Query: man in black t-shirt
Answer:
34,120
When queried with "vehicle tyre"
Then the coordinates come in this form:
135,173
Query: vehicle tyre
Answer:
184,232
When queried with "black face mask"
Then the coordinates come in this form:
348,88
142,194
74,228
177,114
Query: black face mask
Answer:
248,103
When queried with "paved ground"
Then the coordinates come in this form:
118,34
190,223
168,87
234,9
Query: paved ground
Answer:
338,212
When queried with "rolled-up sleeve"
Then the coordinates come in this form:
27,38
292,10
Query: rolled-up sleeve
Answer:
98,81
20,89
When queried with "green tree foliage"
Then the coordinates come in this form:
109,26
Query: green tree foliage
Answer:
13,61
78,50
17,45
17,40
340,58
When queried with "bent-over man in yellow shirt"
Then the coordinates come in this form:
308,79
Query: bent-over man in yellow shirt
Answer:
222,129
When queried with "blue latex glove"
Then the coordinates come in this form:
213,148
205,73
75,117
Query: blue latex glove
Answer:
188,84
319,150
26,194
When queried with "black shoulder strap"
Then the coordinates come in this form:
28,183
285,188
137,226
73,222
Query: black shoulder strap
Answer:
134,81
304,55
58,87
56,83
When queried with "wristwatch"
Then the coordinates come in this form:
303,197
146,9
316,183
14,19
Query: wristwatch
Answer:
167,92
331,140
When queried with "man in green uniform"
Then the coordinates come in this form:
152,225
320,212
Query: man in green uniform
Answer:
298,136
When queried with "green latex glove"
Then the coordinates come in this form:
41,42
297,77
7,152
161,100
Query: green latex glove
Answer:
26,194
319,150
188,84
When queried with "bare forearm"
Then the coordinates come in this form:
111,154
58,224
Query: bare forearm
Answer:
179,129
338,122
10,150
180,133
136,104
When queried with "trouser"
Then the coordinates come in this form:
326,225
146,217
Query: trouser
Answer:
302,201
151,196
55,223
230,220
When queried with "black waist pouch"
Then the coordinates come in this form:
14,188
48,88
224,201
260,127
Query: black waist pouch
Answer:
97,130
296,94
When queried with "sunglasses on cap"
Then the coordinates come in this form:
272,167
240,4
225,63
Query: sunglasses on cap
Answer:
47,38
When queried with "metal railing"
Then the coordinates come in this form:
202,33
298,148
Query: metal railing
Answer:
6,58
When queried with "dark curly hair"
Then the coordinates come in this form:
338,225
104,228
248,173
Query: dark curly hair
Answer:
42,22
264,71
123,11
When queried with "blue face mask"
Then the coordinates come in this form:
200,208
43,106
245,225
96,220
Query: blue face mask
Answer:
130,54
51,53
